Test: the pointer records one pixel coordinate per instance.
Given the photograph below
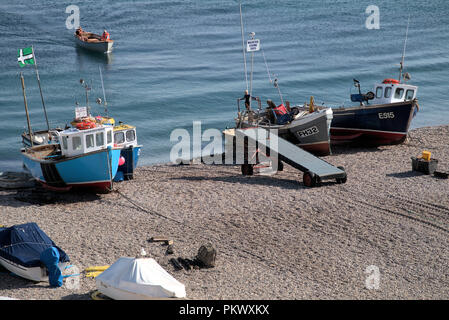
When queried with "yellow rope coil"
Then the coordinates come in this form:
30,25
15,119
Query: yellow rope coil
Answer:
97,295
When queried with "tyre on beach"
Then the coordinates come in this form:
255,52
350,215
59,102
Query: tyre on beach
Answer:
310,179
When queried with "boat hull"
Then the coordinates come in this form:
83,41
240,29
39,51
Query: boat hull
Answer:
309,132
37,274
119,294
94,170
131,155
373,125
100,46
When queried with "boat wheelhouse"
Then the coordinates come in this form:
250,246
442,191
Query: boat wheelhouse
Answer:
76,142
392,91
125,135
125,138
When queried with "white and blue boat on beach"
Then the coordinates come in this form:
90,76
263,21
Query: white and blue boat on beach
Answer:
82,158
87,155
124,138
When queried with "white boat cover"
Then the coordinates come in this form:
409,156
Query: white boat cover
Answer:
142,276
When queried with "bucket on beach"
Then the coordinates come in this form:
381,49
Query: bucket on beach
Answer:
424,166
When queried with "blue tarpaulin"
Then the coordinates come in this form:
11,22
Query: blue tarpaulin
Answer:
50,257
23,244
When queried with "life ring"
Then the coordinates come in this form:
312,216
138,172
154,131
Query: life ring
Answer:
85,125
392,81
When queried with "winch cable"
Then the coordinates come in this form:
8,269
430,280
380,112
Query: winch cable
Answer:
275,82
145,210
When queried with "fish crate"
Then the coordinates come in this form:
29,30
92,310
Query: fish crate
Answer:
424,166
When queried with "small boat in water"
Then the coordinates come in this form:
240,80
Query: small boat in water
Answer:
93,42
21,250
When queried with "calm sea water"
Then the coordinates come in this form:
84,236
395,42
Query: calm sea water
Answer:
175,62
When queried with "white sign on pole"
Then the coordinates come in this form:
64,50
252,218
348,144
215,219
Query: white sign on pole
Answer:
80,112
253,45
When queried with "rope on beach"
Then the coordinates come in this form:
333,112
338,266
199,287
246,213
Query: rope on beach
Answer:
199,234
97,295
146,210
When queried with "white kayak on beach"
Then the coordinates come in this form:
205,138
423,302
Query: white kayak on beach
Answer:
138,279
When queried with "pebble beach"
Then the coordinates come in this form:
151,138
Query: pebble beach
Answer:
274,237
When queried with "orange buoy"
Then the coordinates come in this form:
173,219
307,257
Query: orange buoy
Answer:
392,81
83,125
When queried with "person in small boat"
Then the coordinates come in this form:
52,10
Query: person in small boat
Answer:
105,36
80,33
247,98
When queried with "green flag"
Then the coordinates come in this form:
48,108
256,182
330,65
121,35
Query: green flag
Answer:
25,56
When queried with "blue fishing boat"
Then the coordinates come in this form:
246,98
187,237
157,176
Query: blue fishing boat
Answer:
83,157
383,116
124,138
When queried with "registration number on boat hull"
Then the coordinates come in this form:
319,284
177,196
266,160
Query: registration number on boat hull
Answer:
386,115
307,132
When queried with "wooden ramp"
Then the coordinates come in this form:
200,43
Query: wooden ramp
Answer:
315,169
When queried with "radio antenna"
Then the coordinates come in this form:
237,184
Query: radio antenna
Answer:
104,95
401,68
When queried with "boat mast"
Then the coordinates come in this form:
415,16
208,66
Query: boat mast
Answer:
401,68
243,48
104,95
40,90
26,109
87,88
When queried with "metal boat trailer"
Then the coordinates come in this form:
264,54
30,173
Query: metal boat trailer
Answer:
315,169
